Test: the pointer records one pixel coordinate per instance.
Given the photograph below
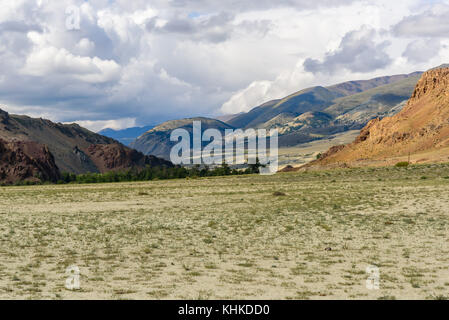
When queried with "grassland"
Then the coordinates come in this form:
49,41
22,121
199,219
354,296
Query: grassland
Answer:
306,152
306,235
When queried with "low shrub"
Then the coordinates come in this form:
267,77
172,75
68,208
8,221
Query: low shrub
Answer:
403,164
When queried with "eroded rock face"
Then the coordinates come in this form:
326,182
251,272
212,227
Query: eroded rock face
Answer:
4,117
434,82
69,144
421,126
116,157
26,161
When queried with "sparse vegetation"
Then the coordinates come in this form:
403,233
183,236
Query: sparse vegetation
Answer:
229,237
403,164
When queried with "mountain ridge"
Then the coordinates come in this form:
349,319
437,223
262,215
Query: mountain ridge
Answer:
330,110
295,102
125,136
422,126
157,140
69,145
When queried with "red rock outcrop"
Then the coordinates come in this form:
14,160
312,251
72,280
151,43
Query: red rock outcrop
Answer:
75,149
116,157
26,161
421,126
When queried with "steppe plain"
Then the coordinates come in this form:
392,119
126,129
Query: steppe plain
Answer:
301,235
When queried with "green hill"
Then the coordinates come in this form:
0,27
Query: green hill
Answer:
338,108
157,142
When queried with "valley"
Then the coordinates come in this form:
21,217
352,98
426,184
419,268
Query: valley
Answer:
300,235
303,153
308,115
234,153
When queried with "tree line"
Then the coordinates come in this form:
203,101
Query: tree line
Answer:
157,173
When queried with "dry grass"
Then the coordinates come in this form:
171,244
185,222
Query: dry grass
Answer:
306,152
232,237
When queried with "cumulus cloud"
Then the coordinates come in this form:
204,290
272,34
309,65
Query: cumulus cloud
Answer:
18,26
433,23
160,60
260,92
422,50
85,46
358,52
244,100
250,5
50,60
45,59
215,28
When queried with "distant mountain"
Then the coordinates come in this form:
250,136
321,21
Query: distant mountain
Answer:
307,100
420,130
307,115
157,140
75,149
338,108
361,107
322,99
125,136
229,117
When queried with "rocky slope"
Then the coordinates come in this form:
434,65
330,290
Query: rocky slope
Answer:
335,100
116,157
26,161
305,116
75,149
346,106
421,127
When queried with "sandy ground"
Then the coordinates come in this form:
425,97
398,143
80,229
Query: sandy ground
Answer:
306,152
246,237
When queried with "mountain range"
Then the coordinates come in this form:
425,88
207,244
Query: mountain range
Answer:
418,133
399,116
304,116
125,136
34,148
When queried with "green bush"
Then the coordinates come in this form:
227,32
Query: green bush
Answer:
403,164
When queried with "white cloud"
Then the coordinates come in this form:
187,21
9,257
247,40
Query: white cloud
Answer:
432,23
422,50
168,59
255,94
85,46
99,125
348,52
50,60
357,52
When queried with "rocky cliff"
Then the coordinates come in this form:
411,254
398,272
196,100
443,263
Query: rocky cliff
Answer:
75,149
421,127
115,157
26,161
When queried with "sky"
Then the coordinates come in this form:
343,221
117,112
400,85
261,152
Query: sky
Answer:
127,63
